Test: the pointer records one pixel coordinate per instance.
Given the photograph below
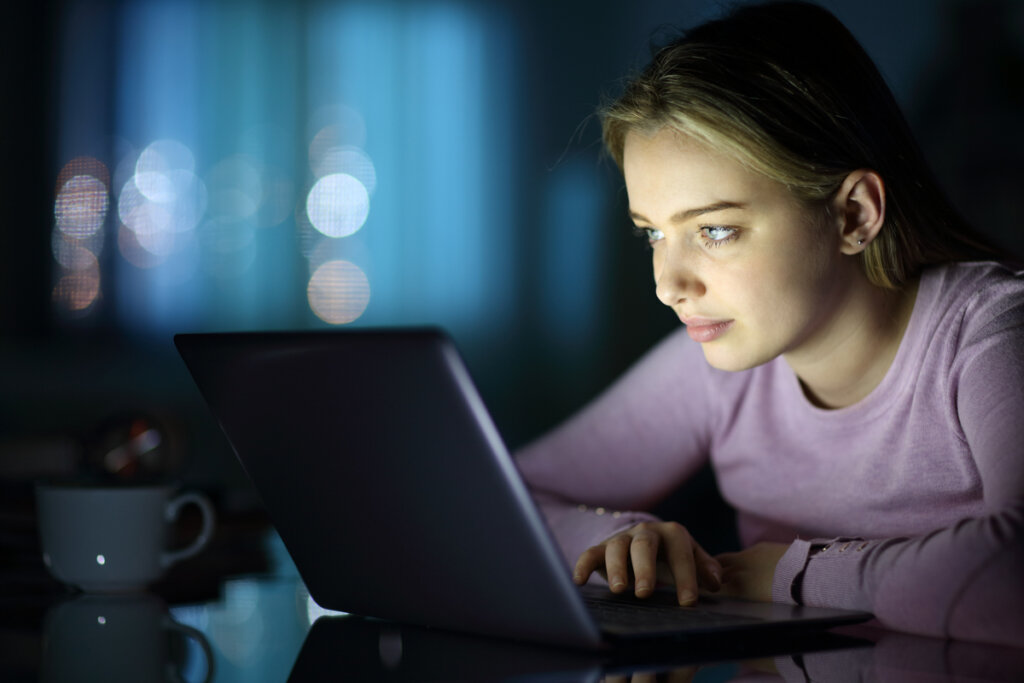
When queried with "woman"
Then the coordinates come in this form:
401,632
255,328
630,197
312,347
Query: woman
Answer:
852,363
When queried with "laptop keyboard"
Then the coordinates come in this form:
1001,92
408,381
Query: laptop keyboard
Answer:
657,613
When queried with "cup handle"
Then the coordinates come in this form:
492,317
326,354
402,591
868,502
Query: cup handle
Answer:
171,514
196,635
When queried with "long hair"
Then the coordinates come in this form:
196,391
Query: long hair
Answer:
786,90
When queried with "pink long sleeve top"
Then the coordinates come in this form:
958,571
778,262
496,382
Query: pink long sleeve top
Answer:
908,504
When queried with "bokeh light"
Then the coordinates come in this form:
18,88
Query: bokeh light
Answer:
68,252
336,126
351,160
72,256
84,165
81,206
160,203
133,252
338,292
163,156
338,205
79,289
80,212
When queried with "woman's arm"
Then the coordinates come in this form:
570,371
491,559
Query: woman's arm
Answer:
628,449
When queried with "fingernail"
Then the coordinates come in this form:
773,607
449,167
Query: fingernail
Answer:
618,583
715,571
686,597
642,587
578,578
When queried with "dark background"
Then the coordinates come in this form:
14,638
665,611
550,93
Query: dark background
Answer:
69,389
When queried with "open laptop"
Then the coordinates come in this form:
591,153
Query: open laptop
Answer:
392,490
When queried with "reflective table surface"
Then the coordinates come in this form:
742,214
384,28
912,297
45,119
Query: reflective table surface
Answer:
265,627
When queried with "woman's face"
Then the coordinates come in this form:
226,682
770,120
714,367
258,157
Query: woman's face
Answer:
750,270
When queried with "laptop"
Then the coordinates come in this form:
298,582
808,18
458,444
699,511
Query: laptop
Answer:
396,497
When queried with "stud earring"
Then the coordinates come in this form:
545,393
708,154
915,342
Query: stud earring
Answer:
860,242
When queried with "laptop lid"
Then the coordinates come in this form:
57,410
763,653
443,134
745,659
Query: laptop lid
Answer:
387,480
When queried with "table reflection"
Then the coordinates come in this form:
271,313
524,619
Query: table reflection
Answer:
367,649
255,629
122,637
267,628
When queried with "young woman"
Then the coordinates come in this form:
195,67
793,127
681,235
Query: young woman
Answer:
852,361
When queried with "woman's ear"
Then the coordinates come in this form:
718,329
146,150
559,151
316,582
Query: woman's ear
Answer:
859,206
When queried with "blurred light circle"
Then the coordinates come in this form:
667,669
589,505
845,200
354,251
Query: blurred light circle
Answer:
81,206
83,166
338,205
148,219
351,160
67,251
161,156
190,200
135,253
338,292
124,172
76,258
138,213
155,186
335,126
159,243
79,289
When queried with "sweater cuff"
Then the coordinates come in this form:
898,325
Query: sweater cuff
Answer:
834,574
578,527
788,572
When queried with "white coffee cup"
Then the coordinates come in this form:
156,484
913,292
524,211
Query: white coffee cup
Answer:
114,538
113,638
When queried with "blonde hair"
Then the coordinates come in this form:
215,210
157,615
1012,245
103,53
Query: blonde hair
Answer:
786,90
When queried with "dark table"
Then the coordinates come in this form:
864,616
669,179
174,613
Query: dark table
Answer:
261,625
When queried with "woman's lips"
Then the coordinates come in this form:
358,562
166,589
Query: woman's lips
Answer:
703,330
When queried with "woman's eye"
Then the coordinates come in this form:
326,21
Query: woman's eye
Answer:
652,235
715,235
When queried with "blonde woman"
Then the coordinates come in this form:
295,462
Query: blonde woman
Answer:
852,357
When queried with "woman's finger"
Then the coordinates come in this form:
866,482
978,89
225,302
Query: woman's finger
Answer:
588,562
616,562
679,554
643,554
709,570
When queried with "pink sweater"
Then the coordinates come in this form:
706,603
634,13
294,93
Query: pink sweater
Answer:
908,504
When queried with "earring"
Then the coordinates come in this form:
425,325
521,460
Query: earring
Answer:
860,242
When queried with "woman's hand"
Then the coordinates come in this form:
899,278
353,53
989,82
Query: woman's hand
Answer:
652,552
748,574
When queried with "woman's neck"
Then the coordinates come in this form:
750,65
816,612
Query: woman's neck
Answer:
852,354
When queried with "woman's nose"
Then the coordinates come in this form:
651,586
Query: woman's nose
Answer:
675,281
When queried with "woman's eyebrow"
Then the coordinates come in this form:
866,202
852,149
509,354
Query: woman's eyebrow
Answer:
687,214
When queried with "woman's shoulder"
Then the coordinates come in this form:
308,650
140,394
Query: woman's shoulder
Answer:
973,286
972,300
967,279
